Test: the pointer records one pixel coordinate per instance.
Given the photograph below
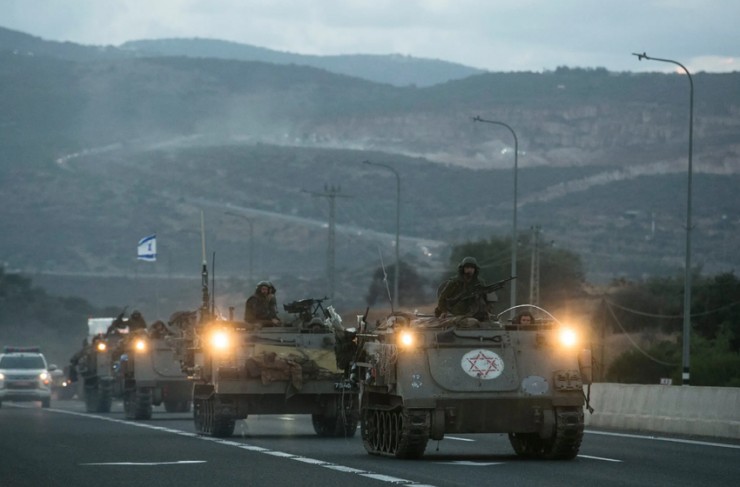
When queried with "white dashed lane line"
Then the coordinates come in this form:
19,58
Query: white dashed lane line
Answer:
257,449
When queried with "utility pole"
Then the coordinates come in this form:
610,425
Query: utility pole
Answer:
331,193
534,276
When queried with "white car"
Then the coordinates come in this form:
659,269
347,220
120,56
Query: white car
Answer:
24,376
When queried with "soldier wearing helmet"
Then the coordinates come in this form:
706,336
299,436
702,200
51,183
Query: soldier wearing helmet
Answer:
261,307
449,301
136,321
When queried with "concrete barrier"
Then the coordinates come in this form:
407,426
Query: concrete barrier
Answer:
691,410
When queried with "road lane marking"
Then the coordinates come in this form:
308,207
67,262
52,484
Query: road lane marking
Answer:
468,463
600,458
146,464
458,438
663,438
245,446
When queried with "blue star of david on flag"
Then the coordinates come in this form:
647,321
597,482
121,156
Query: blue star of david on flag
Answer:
147,249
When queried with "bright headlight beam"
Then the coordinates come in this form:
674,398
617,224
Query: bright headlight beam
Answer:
220,340
101,347
568,337
406,339
140,345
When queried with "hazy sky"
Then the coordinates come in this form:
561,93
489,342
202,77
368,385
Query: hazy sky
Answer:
498,35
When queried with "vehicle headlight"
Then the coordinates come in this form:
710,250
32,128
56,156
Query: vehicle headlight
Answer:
407,339
220,341
101,347
140,345
45,377
568,337
2,376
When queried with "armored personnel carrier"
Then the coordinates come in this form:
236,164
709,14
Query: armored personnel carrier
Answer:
93,364
240,368
423,377
148,374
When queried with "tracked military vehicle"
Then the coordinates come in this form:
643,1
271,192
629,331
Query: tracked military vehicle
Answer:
241,368
148,374
422,378
93,364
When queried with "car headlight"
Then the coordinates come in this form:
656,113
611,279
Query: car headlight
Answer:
45,377
2,376
101,347
407,339
568,337
140,345
220,341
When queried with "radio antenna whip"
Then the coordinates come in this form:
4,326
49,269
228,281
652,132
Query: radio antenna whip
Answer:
385,279
205,314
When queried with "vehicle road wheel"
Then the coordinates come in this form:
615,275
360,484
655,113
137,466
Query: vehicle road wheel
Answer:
341,422
527,445
105,396
208,422
92,399
562,445
400,433
137,403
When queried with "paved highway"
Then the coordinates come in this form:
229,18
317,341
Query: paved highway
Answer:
65,446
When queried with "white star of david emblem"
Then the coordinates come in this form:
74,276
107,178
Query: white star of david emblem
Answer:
482,364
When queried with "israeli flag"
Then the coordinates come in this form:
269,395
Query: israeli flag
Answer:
147,249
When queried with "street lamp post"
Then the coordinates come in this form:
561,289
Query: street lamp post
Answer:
685,376
514,229
397,269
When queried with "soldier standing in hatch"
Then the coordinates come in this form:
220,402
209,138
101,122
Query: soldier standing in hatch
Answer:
261,307
452,299
136,322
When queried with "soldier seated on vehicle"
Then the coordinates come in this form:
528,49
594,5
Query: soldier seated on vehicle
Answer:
158,330
136,322
455,297
524,318
261,307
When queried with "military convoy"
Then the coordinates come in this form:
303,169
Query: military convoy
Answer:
424,377
241,368
406,380
136,366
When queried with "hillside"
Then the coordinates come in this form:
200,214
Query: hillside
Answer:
396,69
98,151
390,69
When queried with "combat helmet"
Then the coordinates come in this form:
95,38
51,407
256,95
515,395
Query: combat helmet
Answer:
269,285
468,261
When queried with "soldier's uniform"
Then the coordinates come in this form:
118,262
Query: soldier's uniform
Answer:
449,301
261,308
136,322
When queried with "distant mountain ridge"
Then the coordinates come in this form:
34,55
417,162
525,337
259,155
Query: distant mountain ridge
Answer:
393,69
